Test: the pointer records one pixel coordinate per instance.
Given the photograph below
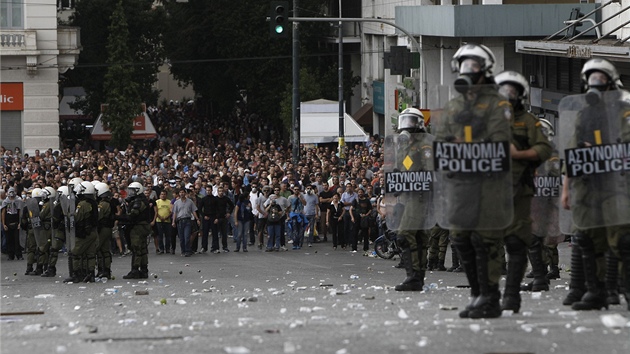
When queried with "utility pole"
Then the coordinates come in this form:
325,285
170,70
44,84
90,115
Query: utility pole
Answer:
296,87
342,136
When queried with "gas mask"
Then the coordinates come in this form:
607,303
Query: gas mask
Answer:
404,139
597,83
469,75
512,93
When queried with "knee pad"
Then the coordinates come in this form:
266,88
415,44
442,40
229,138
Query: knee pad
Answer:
584,241
623,244
403,243
476,240
514,245
461,243
536,243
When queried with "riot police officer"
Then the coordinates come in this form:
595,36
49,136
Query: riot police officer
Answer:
58,232
35,237
545,218
137,218
475,200
598,199
529,148
85,222
106,221
411,216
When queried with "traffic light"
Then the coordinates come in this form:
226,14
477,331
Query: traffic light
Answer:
279,19
575,14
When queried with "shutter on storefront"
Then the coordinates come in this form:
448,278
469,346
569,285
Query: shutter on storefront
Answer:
11,129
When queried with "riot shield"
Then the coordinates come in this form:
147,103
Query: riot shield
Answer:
68,207
472,160
545,207
36,222
409,181
595,142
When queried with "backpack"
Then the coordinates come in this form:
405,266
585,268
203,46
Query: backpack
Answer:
275,214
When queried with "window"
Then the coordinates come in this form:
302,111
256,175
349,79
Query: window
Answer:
11,13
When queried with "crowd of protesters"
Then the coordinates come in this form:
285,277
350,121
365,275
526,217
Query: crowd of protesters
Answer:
238,175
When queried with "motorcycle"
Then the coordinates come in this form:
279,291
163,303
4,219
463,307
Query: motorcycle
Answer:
386,245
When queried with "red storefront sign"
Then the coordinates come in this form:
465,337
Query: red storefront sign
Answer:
12,96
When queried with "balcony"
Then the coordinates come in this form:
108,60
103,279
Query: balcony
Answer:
69,45
24,43
18,42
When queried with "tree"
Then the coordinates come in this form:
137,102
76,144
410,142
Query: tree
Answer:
121,92
145,23
222,46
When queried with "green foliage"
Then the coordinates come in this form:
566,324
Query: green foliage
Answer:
144,24
121,91
223,46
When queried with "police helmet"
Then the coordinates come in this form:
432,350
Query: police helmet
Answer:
604,66
479,53
513,86
514,78
547,128
63,190
50,193
38,193
411,119
134,189
102,190
84,188
74,182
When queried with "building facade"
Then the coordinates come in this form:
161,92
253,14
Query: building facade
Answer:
515,30
34,50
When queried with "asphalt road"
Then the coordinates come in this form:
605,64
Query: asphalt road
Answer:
314,300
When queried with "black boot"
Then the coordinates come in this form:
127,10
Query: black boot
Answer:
466,260
432,264
577,287
455,260
612,275
72,278
540,282
517,262
413,282
107,273
50,272
89,277
29,269
595,296
144,272
487,304
71,274
624,252
99,272
405,258
554,272
133,274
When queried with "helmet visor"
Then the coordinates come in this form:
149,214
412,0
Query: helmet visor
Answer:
469,66
510,91
597,79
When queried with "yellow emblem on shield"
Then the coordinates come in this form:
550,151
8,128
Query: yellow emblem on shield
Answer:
407,162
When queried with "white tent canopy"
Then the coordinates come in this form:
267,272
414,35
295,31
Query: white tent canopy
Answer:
142,129
319,123
70,94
